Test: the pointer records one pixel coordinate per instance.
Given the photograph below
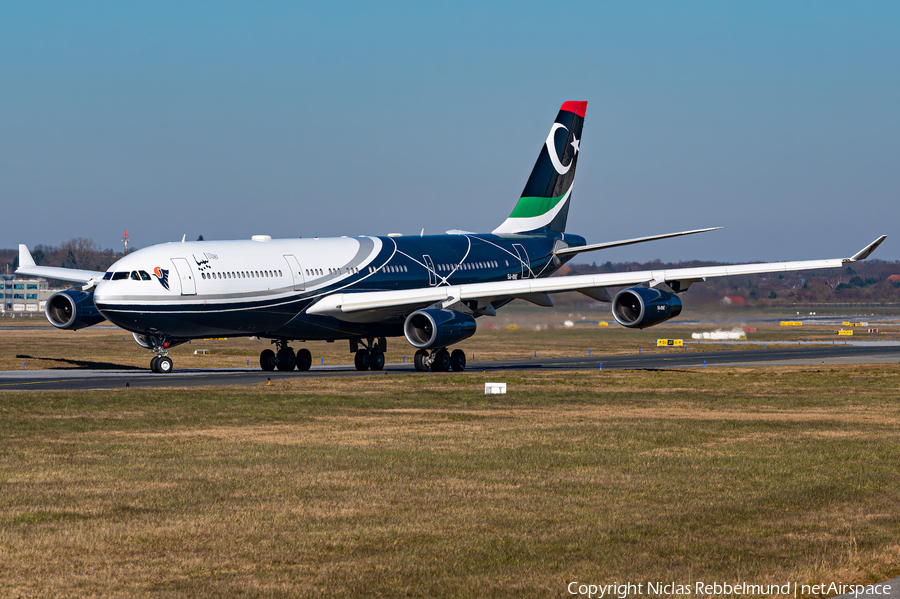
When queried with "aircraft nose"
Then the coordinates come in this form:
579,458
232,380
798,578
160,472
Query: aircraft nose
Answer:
101,293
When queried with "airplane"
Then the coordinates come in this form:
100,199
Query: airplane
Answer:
430,289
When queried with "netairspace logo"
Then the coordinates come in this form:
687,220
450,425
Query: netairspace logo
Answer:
625,590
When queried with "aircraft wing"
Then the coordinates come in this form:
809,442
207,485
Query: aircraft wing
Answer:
370,306
28,267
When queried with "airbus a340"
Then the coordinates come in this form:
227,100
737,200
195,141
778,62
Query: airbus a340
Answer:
430,289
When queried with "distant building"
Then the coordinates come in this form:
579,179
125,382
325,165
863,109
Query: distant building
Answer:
22,296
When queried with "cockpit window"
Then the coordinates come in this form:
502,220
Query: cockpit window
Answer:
144,276
118,276
107,276
135,276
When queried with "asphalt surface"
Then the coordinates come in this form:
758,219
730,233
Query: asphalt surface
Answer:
85,379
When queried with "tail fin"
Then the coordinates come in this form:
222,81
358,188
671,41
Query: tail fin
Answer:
544,205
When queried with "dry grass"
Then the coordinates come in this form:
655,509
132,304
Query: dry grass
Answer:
406,486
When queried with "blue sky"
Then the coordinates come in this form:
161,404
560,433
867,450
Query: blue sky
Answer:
778,120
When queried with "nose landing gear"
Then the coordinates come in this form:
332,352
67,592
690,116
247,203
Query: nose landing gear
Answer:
161,363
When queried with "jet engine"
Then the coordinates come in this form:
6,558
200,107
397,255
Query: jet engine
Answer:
72,309
641,307
437,328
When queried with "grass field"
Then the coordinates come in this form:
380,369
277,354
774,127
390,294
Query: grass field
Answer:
404,486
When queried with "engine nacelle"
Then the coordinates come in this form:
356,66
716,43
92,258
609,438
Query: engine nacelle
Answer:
437,328
72,309
641,307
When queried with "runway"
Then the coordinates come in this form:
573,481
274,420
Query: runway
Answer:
84,379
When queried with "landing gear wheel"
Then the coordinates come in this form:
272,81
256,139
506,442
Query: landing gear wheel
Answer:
458,360
304,360
376,360
154,364
361,360
267,360
441,361
285,360
164,365
421,360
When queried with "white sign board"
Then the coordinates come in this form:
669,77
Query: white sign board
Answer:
490,388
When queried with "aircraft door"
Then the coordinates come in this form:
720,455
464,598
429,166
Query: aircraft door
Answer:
185,276
523,258
432,274
296,272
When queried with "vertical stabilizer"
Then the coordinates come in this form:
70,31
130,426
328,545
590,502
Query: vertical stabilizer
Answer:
544,204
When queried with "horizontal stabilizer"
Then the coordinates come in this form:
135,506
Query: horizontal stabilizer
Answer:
615,244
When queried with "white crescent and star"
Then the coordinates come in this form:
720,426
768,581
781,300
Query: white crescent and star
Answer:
551,150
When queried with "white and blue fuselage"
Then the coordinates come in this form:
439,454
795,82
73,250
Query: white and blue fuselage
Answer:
263,287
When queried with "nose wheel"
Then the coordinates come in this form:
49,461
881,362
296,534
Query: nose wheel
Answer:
161,365
159,345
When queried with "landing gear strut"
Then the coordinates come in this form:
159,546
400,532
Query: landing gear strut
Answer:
284,359
161,363
371,356
440,360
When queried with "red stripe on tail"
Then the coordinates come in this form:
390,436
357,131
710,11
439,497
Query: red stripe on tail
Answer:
578,108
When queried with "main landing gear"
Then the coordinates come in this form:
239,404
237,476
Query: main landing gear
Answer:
284,359
440,360
371,356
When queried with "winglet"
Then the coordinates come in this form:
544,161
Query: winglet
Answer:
25,258
861,254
